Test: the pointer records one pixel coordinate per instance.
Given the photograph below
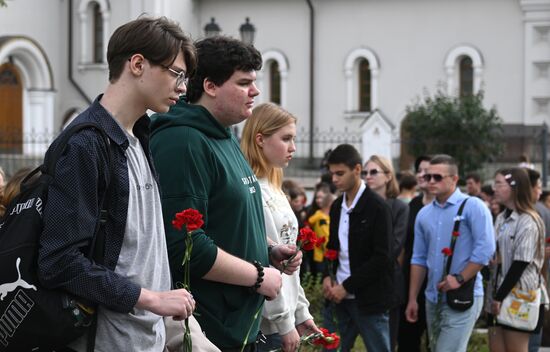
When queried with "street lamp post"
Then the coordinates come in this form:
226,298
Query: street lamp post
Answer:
212,28
247,30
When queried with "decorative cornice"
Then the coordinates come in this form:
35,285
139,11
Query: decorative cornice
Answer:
535,5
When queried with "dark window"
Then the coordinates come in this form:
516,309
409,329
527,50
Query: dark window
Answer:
364,85
466,77
275,83
98,33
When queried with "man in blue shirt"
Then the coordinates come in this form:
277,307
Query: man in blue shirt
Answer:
474,247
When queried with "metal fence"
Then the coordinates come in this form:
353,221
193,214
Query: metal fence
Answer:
18,150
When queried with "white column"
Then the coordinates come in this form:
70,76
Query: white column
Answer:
260,84
38,121
349,85
284,75
106,32
374,89
84,41
477,78
450,80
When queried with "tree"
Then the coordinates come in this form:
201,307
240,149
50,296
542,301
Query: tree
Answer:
458,126
3,3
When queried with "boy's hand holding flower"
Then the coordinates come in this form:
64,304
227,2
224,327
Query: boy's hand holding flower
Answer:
307,240
307,327
320,337
280,258
326,339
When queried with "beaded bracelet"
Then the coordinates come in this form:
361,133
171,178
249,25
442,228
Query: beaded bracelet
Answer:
260,277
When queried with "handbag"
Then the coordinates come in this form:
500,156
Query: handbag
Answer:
520,309
462,298
174,336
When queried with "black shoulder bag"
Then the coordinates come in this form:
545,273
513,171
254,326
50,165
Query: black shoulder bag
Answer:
462,298
33,318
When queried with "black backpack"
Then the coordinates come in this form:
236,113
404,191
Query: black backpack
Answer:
32,317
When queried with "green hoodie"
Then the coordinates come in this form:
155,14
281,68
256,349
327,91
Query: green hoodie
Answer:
201,166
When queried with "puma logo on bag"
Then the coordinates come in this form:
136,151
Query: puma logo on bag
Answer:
11,286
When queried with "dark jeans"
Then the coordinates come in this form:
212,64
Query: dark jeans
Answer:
329,318
373,328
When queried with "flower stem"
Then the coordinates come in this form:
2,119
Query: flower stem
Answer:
251,325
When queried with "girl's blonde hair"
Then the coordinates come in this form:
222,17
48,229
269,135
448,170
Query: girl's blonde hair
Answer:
13,188
266,119
392,187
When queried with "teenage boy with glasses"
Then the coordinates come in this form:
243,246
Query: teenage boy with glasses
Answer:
474,247
132,286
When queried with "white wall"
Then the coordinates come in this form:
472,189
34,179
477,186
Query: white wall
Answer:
410,38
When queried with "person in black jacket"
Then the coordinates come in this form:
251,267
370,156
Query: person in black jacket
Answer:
379,176
361,232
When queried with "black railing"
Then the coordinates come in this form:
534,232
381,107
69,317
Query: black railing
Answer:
19,150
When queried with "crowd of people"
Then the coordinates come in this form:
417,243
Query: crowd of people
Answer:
404,242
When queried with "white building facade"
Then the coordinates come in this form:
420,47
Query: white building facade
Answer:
354,70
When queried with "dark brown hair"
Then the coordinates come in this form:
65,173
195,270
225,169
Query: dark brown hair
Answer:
218,58
159,40
522,196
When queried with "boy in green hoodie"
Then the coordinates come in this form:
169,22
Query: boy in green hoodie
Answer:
202,167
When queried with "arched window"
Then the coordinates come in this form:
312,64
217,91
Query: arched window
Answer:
98,33
274,83
94,32
464,69
29,100
272,78
466,77
364,85
361,69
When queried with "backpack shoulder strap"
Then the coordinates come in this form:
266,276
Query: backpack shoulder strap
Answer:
49,167
455,233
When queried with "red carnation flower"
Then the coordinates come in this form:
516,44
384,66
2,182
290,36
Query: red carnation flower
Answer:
320,242
328,340
191,218
307,239
447,251
331,254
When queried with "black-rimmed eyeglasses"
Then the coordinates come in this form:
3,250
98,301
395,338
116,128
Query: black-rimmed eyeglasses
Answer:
436,177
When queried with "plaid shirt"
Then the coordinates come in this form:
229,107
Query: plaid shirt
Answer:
72,210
